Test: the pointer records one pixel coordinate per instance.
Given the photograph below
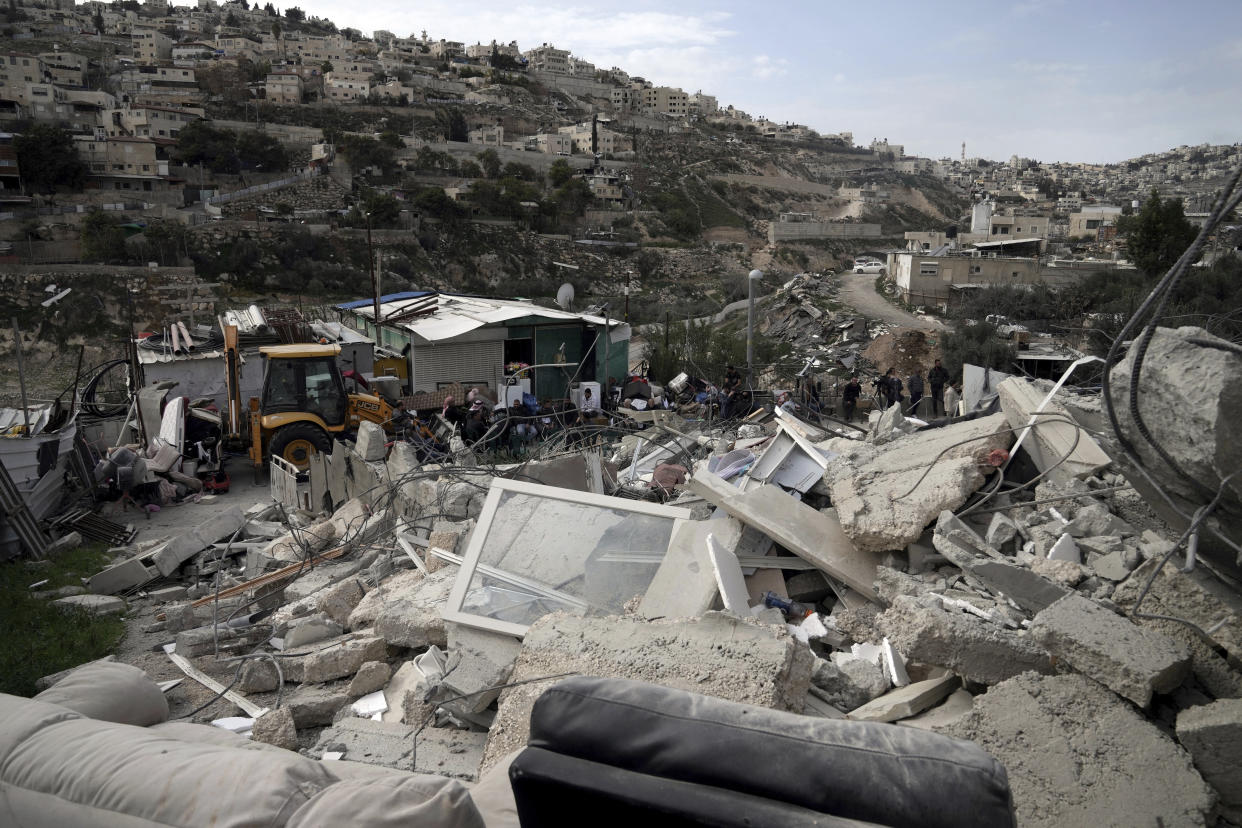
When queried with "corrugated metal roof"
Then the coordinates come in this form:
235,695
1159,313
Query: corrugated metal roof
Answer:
448,316
389,297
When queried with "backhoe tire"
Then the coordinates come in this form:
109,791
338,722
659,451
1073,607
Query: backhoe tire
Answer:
295,442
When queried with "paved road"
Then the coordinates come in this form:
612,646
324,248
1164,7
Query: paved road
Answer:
858,291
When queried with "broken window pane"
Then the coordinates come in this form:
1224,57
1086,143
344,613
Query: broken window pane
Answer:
540,549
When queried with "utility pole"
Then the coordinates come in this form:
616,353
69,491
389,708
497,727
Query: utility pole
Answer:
374,280
755,276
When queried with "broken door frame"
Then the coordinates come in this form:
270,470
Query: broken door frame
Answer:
471,564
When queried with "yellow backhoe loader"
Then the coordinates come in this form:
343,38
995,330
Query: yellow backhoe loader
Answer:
303,406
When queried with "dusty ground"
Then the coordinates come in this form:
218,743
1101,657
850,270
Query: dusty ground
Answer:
858,291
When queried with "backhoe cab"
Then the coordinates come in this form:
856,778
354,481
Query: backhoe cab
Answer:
304,404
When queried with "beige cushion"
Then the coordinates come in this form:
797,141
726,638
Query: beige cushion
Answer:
391,802
110,692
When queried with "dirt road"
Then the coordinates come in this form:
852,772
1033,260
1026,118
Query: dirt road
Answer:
858,291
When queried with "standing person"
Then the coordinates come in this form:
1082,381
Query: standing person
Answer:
894,386
951,399
936,378
849,397
732,385
915,383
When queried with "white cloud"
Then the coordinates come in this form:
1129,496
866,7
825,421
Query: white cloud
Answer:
765,67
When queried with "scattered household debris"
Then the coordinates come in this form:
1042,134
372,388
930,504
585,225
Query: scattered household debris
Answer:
985,576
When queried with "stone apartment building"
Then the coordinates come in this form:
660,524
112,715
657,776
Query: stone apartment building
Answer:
551,143
1089,220
345,87
124,163
65,68
284,88
666,100
702,105
488,136
150,46
148,121
546,58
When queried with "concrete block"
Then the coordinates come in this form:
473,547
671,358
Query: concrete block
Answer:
808,587
92,604
478,660
1065,573
370,677
374,743
717,654
1076,754
203,640
730,582
1001,530
167,594
340,659
1050,440
1132,661
181,548
337,602
275,727
882,497
814,536
258,676
975,649
905,702
1115,566
309,630
446,751
404,694
64,543
683,585
372,603
123,576
315,706
412,618
849,683
1212,733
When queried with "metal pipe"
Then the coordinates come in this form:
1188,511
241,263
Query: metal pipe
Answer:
21,373
755,275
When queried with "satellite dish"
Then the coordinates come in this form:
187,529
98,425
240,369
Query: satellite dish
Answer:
565,296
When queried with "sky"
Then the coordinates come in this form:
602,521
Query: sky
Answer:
1053,80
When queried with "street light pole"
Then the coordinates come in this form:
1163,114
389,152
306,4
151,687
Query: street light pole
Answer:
374,283
755,276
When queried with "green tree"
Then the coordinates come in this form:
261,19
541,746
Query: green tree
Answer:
364,151
560,172
574,197
294,14
469,169
977,344
490,162
258,150
392,138
201,143
522,172
231,20
1157,235
326,67
48,160
452,124
434,202
103,240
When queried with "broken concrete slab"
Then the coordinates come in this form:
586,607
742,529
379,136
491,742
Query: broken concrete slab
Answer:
813,536
729,579
372,603
405,694
446,751
258,676
412,618
1076,754
975,649
1131,661
1065,573
1115,566
1179,594
479,660
716,655
1025,588
1065,550
181,548
1051,442
905,702
64,543
1212,733
683,585
374,743
276,728
882,497
940,716
1001,530
203,640
128,574
335,659
92,604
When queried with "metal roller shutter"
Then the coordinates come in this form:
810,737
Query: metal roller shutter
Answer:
465,362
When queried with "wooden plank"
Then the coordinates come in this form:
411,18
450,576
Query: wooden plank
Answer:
252,710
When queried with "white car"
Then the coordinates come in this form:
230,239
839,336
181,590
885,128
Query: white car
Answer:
869,267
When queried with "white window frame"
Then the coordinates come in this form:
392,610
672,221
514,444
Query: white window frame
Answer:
452,610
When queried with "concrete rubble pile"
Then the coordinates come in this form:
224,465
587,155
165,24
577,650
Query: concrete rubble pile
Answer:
886,579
